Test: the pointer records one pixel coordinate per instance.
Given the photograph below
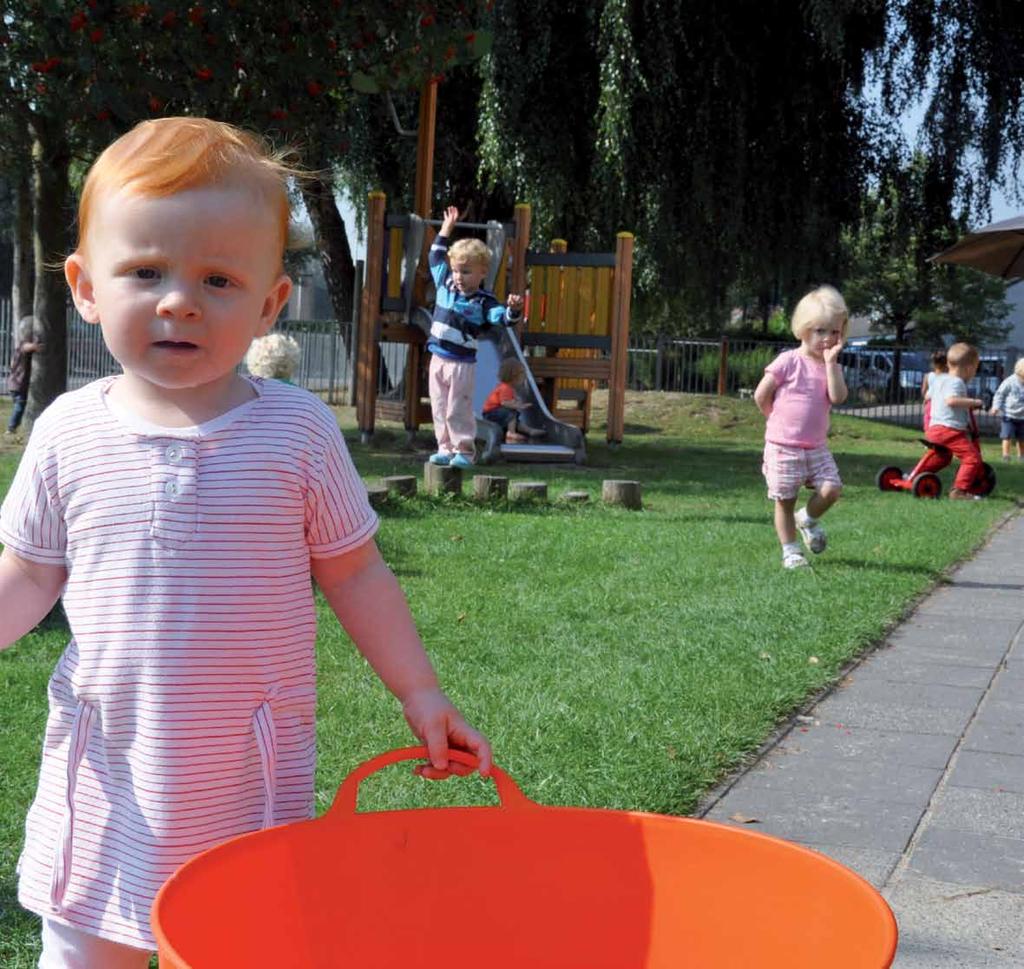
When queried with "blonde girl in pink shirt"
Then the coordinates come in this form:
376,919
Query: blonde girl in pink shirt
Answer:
796,394
180,510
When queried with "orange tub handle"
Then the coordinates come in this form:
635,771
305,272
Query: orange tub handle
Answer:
509,794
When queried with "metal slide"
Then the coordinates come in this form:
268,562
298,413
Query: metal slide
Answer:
561,442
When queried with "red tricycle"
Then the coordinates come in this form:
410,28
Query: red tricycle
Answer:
927,484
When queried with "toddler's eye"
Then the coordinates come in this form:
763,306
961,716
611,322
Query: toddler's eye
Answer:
146,272
218,282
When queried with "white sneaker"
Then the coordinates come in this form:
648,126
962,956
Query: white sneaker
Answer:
794,560
813,535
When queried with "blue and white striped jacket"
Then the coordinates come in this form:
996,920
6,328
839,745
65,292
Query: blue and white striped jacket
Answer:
458,317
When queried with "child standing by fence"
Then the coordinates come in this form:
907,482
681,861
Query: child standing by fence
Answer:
1008,403
20,374
796,394
461,310
180,509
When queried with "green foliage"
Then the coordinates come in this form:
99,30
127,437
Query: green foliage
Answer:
889,276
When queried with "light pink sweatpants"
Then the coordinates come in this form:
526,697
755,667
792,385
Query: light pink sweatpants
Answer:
451,404
68,948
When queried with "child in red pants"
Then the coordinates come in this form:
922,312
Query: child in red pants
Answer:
951,419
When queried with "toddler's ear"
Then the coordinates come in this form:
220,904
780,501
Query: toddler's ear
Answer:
80,283
274,302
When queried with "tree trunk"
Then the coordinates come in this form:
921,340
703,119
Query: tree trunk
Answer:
51,157
23,287
332,241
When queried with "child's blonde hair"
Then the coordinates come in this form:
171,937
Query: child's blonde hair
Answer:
168,155
1018,367
275,355
961,354
472,250
822,305
510,370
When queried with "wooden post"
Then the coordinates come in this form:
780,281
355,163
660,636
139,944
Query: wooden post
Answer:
625,493
400,484
487,486
368,350
723,366
521,218
620,336
442,479
575,497
378,495
424,189
528,491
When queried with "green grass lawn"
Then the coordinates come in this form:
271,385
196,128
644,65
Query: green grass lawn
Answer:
616,659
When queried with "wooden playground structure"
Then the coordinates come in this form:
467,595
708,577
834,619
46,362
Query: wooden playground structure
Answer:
576,332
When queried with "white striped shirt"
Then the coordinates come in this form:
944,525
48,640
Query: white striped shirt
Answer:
182,711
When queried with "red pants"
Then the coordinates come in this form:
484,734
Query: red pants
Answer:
963,446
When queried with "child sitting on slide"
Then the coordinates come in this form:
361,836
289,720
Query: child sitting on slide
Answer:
505,405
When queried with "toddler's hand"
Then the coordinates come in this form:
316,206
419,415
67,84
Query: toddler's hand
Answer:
451,216
831,354
515,302
994,412
439,725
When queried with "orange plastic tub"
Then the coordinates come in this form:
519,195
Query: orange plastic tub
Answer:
515,885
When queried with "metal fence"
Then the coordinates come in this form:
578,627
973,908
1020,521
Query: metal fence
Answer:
884,381
325,367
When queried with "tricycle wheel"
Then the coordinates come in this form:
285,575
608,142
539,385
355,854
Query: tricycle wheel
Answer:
985,483
886,478
926,485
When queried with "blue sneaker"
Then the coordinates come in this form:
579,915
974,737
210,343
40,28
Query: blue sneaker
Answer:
461,461
440,458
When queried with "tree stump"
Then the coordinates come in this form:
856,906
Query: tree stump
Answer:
487,486
440,479
625,493
528,491
378,495
400,484
575,497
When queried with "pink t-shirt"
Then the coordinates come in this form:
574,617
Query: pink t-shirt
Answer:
799,416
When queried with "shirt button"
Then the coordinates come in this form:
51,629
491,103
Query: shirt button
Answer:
173,453
171,488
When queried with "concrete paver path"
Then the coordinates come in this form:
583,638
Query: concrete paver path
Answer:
912,771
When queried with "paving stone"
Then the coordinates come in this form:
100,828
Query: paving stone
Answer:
989,771
965,602
997,813
948,916
913,954
897,666
925,709
827,739
846,777
966,858
819,818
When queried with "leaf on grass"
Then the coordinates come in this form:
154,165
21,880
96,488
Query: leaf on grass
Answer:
743,818
456,538
813,660
461,617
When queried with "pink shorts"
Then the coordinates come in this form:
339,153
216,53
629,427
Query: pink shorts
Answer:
787,468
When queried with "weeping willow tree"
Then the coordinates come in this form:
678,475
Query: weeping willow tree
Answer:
740,140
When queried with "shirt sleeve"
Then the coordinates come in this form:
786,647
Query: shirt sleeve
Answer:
31,521
781,368
1000,395
438,259
338,513
956,388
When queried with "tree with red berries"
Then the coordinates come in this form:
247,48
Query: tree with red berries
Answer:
78,75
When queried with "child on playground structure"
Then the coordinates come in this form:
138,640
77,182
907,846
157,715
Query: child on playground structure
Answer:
505,405
275,356
796,393
951,423
20,373
939,365
180,510
461,310
1008,403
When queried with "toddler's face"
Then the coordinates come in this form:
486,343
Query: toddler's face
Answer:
467,275
181,284
818,338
